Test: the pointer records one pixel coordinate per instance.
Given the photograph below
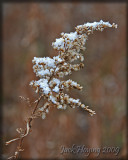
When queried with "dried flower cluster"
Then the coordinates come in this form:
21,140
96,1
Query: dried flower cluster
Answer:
50,71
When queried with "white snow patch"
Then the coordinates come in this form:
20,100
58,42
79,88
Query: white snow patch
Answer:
74,100
46,60
53,99
72,35
95,24
43,72
56,88
43,83
59,43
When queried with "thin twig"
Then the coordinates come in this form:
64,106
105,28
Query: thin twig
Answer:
27,130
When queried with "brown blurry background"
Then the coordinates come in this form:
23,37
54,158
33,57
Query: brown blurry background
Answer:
29,30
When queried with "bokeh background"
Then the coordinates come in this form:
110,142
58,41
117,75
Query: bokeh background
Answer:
29,30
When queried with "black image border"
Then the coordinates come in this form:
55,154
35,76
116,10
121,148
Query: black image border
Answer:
1,56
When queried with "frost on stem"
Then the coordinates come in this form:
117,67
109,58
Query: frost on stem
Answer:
51,70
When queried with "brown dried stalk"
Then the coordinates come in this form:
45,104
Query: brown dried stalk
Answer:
27,130
51,70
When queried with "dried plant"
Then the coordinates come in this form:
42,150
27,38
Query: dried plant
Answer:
50,71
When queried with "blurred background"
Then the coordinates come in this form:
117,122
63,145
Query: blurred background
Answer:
29,30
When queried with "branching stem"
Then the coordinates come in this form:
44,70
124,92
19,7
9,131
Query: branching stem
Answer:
27,130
